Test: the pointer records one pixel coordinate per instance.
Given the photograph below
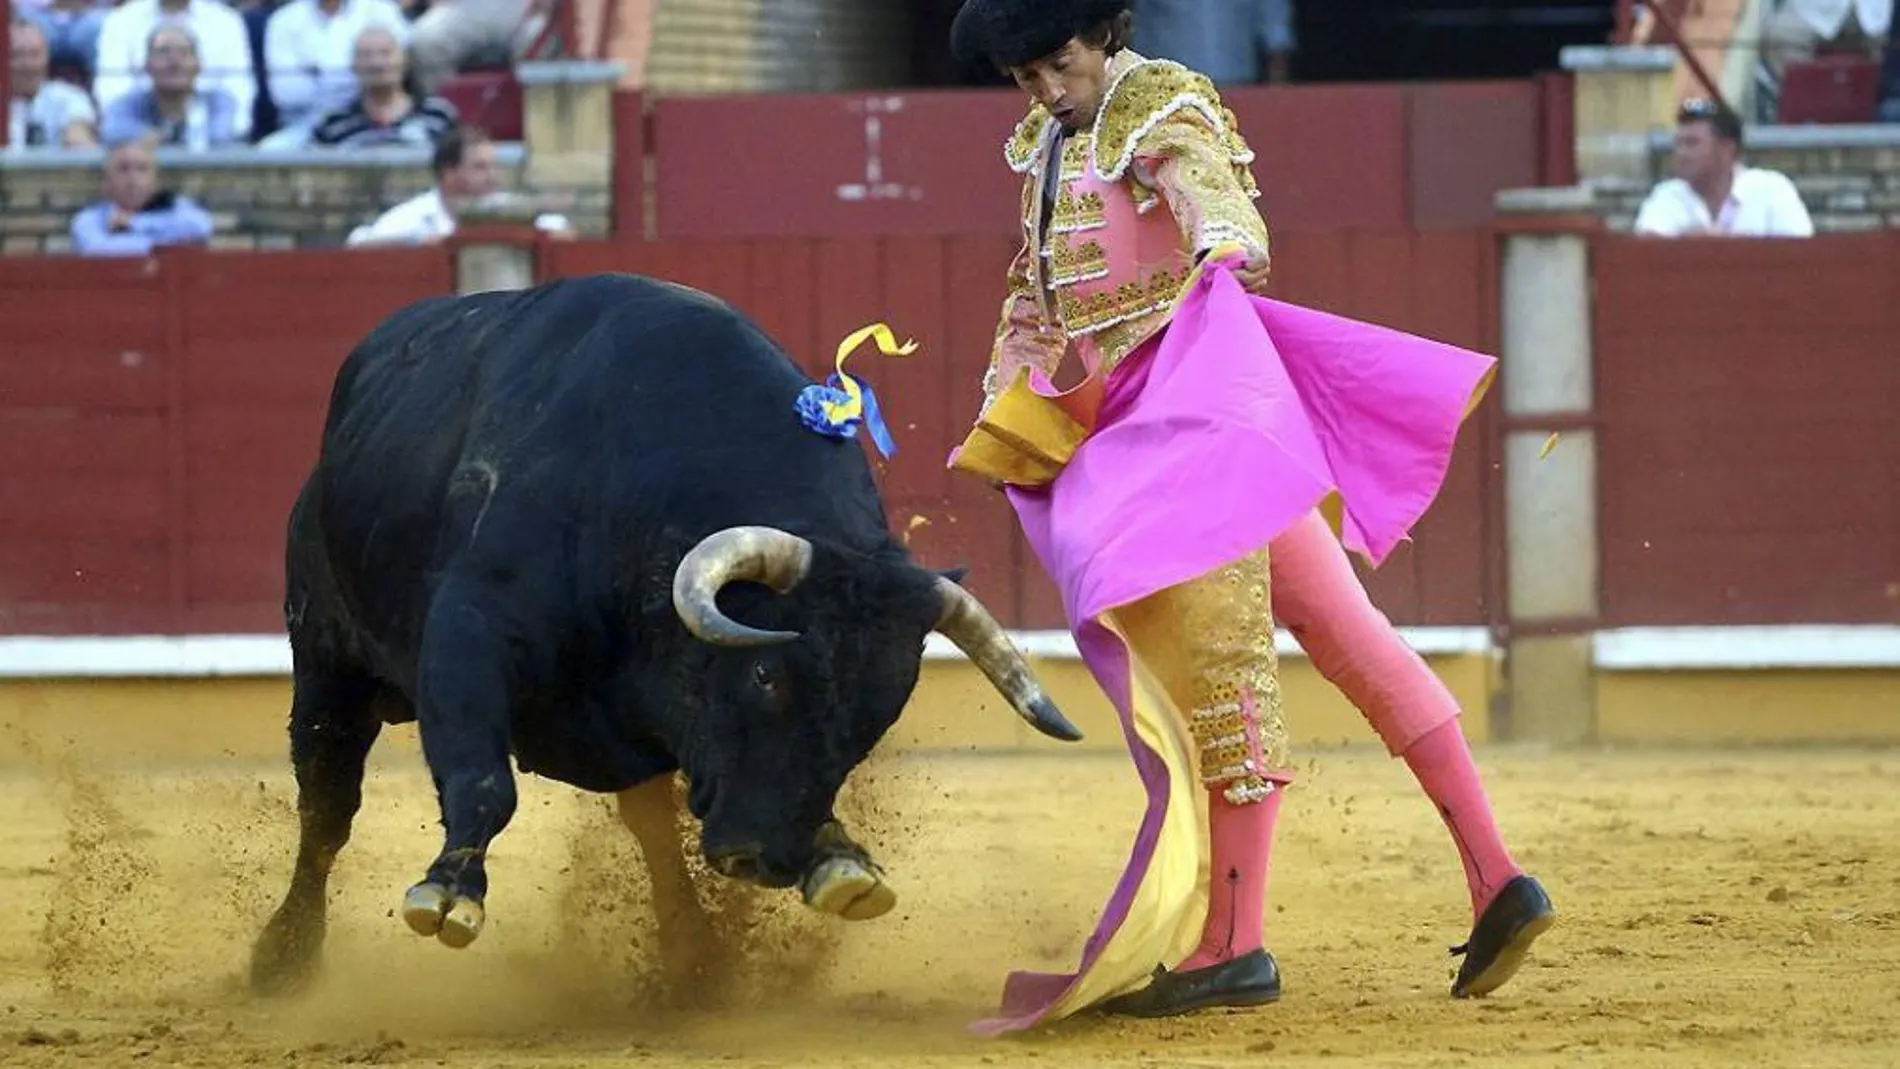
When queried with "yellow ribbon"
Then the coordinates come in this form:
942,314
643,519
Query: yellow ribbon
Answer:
839,411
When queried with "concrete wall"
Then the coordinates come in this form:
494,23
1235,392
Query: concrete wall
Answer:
259,201
313,198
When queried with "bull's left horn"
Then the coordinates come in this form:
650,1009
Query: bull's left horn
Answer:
758,554
966,623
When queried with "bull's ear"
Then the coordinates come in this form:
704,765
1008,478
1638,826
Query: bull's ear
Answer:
955,575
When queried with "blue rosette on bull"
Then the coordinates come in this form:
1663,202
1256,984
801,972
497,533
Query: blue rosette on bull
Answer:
841,404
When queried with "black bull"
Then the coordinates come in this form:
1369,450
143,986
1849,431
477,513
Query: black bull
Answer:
535,523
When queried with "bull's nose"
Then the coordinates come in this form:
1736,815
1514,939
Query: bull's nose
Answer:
738,862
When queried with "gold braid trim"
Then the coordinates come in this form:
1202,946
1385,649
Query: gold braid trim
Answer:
1212,198
1147,94
1024,146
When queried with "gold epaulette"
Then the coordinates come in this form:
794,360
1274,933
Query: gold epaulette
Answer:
1020,149
1148,94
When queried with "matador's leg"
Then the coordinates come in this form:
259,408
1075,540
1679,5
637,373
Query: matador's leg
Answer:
1210,644
1320,599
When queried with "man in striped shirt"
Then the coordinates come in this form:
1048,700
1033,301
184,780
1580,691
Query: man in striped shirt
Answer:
385,112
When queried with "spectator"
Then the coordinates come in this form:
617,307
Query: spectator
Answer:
385,112
224,50
136,216
1223,39
465,173
175,110
307,49
1725,38
1798,27
1714,194
454,33
71,28
1890,82
256,15
42,112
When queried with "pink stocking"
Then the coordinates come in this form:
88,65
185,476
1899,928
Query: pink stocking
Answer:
1242,844
1317,596
1441,761
1213,652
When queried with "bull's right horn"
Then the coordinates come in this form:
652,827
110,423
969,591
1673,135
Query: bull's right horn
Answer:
969,626
757,554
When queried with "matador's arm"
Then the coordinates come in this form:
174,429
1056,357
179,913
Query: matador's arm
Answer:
1022,336
1210,197
1170,132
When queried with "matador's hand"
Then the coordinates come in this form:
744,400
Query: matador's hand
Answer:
1254,274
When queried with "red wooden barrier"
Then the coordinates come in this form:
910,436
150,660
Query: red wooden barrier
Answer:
158,415
1749,398
629,209
156,418
1466,141
87,510
947,292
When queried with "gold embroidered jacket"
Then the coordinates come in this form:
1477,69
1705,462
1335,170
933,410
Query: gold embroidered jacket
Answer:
1161,177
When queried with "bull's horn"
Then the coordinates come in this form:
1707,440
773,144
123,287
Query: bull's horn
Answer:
758,554
965,622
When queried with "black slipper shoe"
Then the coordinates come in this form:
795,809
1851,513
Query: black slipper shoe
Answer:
1252,979
1502,937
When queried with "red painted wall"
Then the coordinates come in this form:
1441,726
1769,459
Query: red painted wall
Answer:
1375,157
1749,400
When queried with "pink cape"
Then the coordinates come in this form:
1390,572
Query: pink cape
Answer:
1239,419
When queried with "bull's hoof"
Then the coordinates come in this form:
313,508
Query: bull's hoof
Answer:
431,909
850,888
284,958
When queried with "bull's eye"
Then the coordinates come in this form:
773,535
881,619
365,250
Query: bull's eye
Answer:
769,683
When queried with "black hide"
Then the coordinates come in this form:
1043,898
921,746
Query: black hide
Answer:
505,487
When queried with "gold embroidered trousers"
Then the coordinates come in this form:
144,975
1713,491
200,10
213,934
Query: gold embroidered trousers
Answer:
1209,643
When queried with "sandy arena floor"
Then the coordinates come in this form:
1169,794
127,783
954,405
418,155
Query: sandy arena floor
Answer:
1717,908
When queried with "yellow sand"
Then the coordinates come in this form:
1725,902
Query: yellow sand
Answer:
1717,908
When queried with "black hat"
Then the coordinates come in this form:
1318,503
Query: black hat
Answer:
1013,32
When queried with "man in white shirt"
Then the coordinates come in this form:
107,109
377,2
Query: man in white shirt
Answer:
1714,194
465,174
43,112
308,46
224,50
452,32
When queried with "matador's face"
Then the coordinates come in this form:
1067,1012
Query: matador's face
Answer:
1070,82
